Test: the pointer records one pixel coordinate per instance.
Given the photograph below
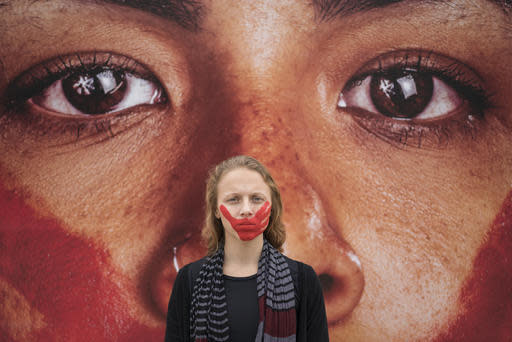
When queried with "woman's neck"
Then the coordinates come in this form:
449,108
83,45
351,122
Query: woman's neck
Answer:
241,257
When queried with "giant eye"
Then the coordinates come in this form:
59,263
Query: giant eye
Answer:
98,91
402,94
90,85
409,86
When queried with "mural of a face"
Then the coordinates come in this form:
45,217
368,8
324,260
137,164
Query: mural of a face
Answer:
386,126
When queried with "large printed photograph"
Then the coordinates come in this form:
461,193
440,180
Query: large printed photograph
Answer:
387,126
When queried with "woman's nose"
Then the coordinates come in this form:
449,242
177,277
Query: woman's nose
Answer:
246,209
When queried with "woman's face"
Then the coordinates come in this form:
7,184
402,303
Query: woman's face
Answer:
242,193
387,125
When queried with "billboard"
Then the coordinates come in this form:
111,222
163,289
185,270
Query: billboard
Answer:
386,125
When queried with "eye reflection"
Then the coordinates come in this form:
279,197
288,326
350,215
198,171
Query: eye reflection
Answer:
95,92
402,95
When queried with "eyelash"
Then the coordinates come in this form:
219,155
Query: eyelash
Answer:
40,77
409,132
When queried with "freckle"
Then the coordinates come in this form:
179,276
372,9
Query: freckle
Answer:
128,210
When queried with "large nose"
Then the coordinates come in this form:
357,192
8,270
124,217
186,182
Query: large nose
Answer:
313,236
261,96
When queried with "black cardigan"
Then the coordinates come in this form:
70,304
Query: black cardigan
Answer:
311,317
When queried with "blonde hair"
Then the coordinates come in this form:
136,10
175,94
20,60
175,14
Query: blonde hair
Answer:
213,231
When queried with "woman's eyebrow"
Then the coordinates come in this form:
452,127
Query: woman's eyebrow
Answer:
326,10
186,13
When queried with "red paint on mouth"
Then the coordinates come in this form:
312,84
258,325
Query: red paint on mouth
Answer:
66,278
247,229
487,294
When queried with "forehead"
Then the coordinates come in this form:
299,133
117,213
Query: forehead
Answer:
242,180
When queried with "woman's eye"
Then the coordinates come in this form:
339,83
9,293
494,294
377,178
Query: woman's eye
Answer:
89,84
97,92
415,97
402,94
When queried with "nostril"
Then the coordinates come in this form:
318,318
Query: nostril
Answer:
327,282
341,292
333,287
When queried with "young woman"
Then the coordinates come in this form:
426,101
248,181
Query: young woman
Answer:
245,289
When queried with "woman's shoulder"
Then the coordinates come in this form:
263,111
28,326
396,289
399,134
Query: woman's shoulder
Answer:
304,270
293,265
191,270
195,264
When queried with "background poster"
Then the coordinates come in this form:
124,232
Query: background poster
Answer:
386,124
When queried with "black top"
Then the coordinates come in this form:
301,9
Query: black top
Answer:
243,314
311,317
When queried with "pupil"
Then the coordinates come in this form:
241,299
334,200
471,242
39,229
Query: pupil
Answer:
404,94
96,91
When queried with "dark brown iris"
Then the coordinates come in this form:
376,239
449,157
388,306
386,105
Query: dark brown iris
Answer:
403,94
95,92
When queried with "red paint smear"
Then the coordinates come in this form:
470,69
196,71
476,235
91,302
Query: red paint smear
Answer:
248,229
487,294
65,278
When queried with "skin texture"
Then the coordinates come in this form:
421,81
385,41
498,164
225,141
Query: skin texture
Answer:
97,214
37,253
487,311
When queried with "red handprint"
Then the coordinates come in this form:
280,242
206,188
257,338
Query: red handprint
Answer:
248,228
